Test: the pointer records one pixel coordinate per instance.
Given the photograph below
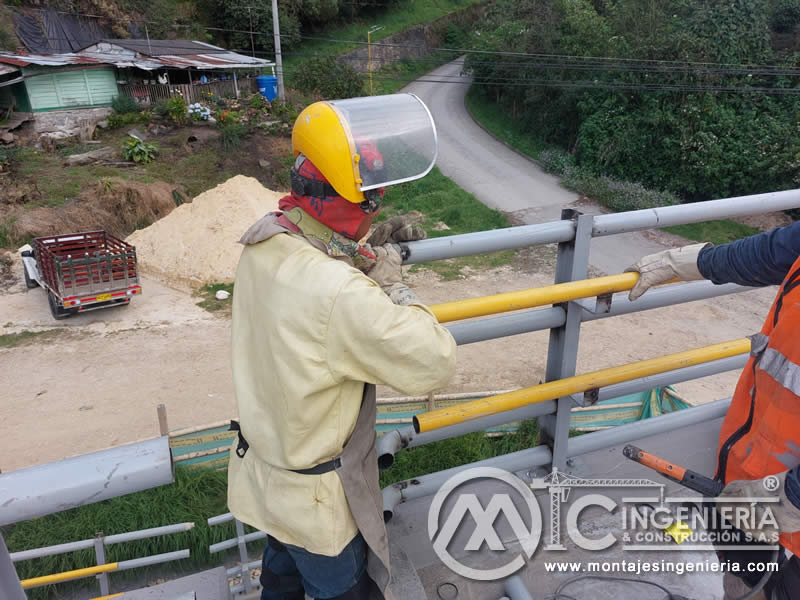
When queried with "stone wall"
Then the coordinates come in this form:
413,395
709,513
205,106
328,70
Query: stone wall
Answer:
69,122
417,42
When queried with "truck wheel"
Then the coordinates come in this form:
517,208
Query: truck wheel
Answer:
58,312
28,281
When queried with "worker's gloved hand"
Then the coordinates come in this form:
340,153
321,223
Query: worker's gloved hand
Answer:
654,269
400,228
388,274
785,513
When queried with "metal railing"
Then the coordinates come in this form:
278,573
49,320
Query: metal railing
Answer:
103,568
241,540
551,402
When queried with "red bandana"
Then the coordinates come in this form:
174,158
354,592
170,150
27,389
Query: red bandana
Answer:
336,212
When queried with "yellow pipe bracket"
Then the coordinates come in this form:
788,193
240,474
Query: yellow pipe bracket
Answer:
551,294
551,390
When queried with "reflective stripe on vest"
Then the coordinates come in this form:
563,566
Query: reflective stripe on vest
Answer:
760,435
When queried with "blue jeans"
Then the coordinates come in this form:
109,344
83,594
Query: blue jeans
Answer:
288,571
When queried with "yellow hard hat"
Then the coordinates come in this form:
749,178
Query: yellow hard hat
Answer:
363,144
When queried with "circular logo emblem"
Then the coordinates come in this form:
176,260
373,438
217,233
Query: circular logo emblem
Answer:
484,518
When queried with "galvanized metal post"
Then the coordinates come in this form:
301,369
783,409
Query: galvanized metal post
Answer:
100,556
562,352
243,556
10,589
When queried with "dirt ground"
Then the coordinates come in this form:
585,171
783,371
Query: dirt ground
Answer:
96,381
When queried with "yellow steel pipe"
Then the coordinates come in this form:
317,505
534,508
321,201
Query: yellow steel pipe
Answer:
551,294
67,575
117,595
551,390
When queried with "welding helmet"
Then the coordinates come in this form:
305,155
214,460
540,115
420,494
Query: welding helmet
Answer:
362,145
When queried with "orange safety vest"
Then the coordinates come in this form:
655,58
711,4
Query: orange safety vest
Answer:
760,435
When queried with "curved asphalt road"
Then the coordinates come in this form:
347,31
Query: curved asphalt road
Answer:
503,179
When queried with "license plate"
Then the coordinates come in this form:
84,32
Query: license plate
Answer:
103,297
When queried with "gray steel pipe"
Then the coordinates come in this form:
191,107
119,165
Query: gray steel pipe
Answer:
219,519
696,212
665,296
393,441
467,244
224,545
427,485
622,434
107,540
46,489
515,588
678,375
126,565
507,325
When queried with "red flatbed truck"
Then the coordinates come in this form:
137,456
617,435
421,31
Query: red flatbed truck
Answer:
82,271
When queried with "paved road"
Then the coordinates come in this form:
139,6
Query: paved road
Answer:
504,179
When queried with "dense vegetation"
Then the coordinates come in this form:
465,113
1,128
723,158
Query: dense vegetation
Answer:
652,122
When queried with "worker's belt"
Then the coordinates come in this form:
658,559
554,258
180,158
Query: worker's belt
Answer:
326,467
305,186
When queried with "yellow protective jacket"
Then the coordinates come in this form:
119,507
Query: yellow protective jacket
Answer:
308,331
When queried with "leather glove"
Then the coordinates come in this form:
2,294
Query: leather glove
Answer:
785,513
388,274
400,228
661,267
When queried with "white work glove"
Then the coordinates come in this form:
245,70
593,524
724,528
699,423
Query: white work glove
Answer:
786,514
679,263
388,274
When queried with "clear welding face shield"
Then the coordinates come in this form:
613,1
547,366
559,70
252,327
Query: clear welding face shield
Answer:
400,128
363,144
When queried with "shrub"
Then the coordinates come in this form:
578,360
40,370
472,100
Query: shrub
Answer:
116,121
124,105
556,161
614,194
786,16
161,108
227,117
177,110
233,134
138,151
329,79
258,102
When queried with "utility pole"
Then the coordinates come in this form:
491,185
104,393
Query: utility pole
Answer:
252,43
276,29
369,56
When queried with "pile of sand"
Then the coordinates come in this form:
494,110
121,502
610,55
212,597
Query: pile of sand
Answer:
197,242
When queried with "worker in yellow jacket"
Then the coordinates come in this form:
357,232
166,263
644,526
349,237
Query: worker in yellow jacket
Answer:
318,320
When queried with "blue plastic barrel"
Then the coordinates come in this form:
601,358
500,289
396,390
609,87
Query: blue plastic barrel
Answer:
268,86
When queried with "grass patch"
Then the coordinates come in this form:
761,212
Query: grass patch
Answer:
441,201
399,17
716,232
209,301
493,117
454,452
25,337
452,269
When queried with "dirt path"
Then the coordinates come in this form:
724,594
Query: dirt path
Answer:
95,381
